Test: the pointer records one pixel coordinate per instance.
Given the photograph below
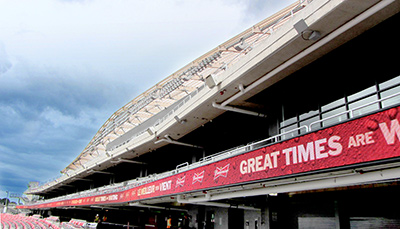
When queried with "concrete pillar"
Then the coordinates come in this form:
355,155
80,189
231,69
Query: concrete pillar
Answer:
341,217
264,224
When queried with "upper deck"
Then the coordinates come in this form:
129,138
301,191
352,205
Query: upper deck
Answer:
254,60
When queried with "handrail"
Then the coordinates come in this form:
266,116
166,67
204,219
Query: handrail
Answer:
206,160
248,146
268,29
203,161
185,164
215,157
327,118
351,111
231,152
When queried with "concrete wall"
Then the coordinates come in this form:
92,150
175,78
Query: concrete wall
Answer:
222,217
251,217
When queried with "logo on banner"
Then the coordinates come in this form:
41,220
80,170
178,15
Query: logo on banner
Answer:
180,181
221,171
198,177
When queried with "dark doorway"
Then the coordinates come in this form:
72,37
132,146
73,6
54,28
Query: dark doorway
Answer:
235,218
210,220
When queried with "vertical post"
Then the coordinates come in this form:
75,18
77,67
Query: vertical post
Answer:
341,219
337,218
7,200
265,215
347,107
378,94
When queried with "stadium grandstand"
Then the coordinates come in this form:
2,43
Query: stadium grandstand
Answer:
293,123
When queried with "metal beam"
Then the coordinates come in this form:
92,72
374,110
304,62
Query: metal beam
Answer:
95,171
216,204
138,204
82,179
168,139
239,110
119,160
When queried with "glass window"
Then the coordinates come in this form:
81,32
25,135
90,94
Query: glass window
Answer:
362,93
288,121
333,105
358,102
308,114
307,122
289,129
392,101
390,83
335,116
358,108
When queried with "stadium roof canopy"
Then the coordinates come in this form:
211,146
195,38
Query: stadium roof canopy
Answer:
224,78
179,85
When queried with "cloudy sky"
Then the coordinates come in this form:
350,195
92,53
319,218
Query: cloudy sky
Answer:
67,65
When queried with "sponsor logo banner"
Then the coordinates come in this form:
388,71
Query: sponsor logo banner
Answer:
371,138
221,171
198,177
180,182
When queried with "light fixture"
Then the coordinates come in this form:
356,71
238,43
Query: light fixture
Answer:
305,32
181,121
310,35
300,26
211,81
151,130
242,45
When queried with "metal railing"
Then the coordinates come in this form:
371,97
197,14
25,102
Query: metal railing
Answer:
212,158
268,29
351,111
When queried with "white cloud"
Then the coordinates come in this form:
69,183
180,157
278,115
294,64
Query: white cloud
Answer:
123,39
58,119
67,65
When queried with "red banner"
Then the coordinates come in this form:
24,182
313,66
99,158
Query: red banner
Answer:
371,138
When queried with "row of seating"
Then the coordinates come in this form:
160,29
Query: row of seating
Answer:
74,223
9,221
78,224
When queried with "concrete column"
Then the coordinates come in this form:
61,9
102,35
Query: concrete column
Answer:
341,217
264,224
